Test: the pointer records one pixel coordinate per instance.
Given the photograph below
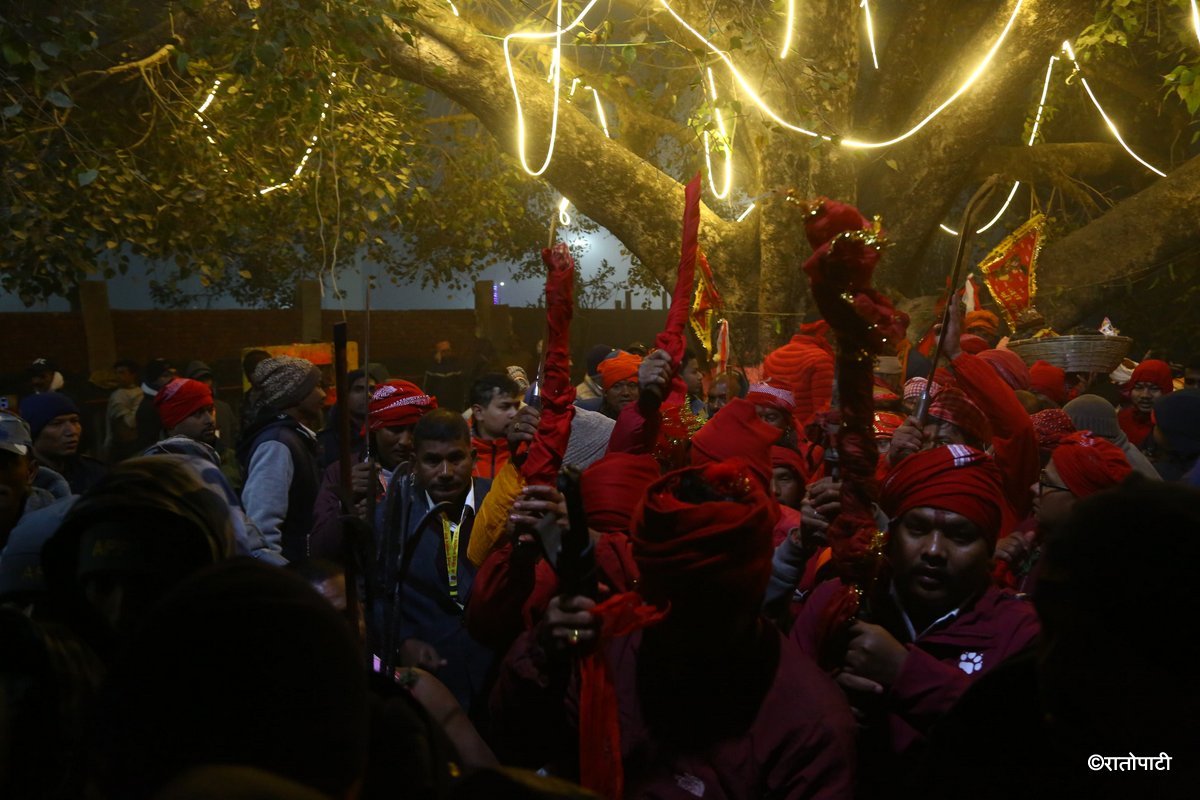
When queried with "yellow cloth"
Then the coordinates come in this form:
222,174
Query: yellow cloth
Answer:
490,522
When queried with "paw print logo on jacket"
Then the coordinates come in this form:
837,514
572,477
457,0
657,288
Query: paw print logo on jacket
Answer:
970,662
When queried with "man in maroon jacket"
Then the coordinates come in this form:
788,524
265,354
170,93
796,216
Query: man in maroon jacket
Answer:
940,624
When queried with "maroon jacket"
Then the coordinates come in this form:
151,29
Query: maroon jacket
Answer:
799,743
943,661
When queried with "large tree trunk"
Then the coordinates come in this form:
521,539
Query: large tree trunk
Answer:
1078,272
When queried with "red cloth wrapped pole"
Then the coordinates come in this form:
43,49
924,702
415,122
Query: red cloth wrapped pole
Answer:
846,250
544,460
673,336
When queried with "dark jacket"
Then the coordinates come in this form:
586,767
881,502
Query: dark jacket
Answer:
279,459
427,611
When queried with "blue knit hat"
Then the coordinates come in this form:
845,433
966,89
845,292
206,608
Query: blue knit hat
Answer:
40,409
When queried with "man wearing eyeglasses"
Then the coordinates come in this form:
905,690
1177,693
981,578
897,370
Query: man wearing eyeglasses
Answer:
1081,465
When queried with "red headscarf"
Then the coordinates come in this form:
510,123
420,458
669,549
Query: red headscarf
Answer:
953,478
736,432
1153,371
787,458
717,548
1048,380
396,404
1089,464
179,399
970,343
620,366
1050,426
612,488
951,405
1009,366
773,392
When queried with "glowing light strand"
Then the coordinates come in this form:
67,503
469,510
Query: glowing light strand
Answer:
746,213
312,143
728,142
453,7
199,112
1037,124
564,218
1111,125
555,77
790,25
866,7
600,115
849,141
1196,19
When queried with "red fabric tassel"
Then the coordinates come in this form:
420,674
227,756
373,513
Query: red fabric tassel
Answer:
542,464
600,768
672,338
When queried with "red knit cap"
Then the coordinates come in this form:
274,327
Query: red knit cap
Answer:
1009,367
1153,371
707,530
1089,464
620,366
736,432
773,392
613,487
953,478
396,404
179,399
951,405
1048,380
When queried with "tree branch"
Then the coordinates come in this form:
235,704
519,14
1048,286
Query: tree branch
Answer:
1051,163
157,57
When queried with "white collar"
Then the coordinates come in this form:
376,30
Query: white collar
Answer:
912,632
469,503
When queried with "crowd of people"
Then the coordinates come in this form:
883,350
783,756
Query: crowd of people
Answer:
221,604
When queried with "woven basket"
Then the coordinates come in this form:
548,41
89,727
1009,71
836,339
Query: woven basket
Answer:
1075,353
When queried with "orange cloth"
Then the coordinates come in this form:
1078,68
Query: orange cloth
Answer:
492,519
620,366
806,364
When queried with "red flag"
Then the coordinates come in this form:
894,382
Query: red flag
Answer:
1009,271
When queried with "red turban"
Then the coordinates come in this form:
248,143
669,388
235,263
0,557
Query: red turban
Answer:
612,488
773,392
1089,464
886,424
970,343
736,432
179,399
986,320
705,532
398,403
953,478
788,458
1153,371
1050,426
951,405
1008,366
1048,380
620,366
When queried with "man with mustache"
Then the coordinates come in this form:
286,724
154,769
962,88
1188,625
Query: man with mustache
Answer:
940,623
57,431
428,516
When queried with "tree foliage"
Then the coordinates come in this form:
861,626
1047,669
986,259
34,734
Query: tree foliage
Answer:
109,157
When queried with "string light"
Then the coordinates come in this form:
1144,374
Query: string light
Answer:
564,218
1196,19
555,77
312,143
787,31
746,213
1111,125
848,142
453,7
212,93
1037,124
866,7
721,195
600,116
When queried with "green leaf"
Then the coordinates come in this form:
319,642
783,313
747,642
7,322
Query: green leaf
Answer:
891,162
59,99
181,61
86,177
11,55
52,49
36,61
11,111
629,54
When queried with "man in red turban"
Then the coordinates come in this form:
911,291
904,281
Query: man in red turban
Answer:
941,623
737,432
1081,464
1048,381
1151,380
619,379
982,323
186,409
702,543
805,364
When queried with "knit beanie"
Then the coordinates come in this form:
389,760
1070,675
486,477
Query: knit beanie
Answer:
285,381
1093,413
40,409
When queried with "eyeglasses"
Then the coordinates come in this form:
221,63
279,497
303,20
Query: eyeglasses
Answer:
1044,484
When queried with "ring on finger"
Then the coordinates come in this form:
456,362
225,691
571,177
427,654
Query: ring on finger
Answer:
573,637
